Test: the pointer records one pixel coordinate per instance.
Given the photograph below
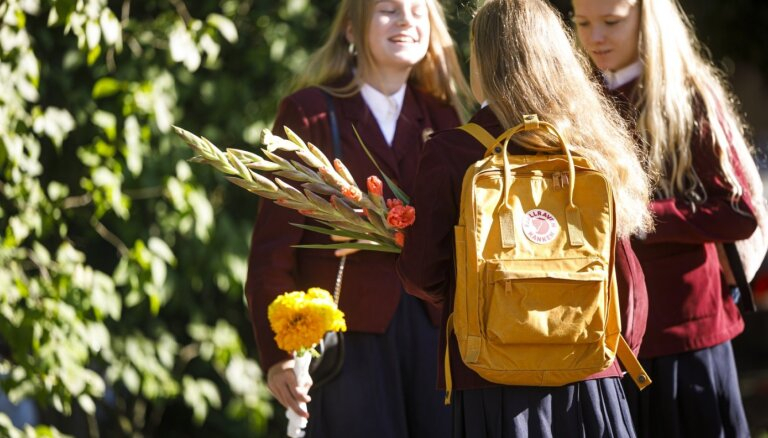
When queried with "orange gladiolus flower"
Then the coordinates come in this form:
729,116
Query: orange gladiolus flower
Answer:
391,203
352,193
375,187
399,238
401,216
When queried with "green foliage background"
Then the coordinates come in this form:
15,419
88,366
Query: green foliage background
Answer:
121,265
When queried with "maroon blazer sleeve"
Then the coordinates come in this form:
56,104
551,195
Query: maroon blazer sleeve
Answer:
714,220
427,257
633,295
272,259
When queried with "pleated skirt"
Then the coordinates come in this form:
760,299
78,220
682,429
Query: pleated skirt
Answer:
593,408
694,394
387,385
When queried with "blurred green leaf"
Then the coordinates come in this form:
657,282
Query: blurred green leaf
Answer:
105,87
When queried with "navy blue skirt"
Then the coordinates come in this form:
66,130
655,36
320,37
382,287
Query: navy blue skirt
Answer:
693,394
593,408
387,385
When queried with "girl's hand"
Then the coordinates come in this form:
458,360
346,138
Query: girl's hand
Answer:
347,251
283,385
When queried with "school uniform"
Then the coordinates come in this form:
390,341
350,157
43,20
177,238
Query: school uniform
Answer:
687,349
386,387
593,407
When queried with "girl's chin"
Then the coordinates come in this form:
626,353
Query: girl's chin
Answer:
401,61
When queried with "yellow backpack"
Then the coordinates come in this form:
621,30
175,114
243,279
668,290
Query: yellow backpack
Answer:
536,298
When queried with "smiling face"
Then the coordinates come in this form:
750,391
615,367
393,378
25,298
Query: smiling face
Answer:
609,30
398,36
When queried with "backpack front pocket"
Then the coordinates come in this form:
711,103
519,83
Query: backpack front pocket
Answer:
562,302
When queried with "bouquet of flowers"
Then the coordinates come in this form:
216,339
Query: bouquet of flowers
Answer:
323,190
299,321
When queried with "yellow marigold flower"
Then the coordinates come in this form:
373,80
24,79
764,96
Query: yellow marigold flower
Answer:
300,319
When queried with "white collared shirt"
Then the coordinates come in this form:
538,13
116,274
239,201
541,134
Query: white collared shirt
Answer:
616,79
385,109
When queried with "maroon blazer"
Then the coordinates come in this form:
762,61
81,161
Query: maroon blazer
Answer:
690,304
426,264
371,290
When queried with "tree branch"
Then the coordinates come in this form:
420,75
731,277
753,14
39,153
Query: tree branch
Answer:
125,13
76,201
144,193
107,235
181,9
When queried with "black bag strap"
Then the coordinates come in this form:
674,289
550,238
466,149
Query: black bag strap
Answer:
335,137
747,301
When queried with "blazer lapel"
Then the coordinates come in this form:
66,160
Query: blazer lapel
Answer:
412,126
356,112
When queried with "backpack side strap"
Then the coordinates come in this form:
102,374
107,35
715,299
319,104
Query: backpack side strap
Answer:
632,365
447,361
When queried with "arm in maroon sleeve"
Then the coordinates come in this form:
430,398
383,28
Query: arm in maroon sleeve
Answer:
272,258
633,295
425,264
714,220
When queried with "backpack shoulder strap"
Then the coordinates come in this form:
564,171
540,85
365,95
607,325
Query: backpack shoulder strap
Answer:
480,134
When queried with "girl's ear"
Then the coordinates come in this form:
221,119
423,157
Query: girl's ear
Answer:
349,35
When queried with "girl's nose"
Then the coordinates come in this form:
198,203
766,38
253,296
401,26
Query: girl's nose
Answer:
597,33
405,17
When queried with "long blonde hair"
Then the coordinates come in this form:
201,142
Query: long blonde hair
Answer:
678,81
438,74
528,64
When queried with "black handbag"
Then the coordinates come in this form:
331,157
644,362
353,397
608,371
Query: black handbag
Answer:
327,366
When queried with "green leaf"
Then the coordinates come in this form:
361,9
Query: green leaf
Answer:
106,121
105,87
93,55
334,231
391,184
224,25
86,402
131,379
352,245
110,27
162,250
92,35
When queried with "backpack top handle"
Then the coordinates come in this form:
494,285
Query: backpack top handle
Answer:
499,144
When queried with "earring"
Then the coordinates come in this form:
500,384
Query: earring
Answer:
352,50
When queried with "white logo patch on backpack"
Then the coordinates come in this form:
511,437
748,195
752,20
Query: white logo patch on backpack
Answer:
540,226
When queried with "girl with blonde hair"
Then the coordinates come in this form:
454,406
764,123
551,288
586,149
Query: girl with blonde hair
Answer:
524,62
388,69
693,141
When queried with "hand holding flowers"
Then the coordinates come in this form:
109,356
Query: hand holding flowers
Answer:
326,192
299,321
